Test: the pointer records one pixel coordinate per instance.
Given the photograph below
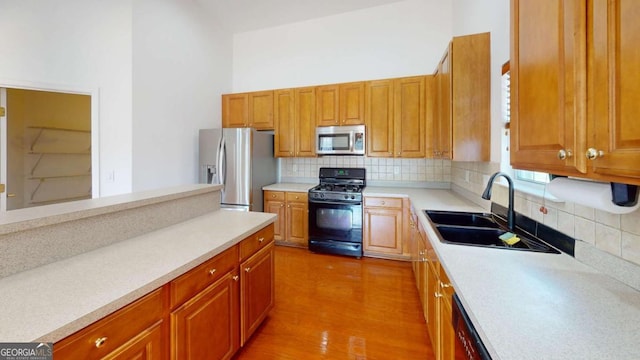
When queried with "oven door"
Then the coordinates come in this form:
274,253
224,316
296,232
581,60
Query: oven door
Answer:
335,221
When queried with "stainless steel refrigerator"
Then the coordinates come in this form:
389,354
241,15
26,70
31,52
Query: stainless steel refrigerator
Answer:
241,159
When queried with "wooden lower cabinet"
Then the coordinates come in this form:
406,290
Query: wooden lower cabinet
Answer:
437,306
135,331
257,299
206,326
384,228
206,313
292,208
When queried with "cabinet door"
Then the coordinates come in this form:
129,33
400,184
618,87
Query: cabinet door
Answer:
382,230
327,98
261,110
433,300
352,104
211,317
615,117
470,79
297,219
548,85
305,123
409,117
284,120
257,281
235,110
447,333
148,345
274,203
379,118
443,88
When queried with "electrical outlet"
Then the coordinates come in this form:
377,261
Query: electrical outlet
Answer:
111,176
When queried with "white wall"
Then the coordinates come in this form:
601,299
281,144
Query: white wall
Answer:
181,65
399,39
77,44
473,16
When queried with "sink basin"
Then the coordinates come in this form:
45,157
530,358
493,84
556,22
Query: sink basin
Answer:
462,218
480,229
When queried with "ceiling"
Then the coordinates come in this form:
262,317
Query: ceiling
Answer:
247,15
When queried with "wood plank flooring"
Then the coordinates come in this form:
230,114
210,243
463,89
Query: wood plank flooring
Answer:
335,307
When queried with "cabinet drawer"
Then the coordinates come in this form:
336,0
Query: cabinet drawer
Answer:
383,202
255,242
108,334
297,196
274,195
202,276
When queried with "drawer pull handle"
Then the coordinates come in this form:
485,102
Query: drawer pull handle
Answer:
100,341
260,240
444,286
212,271
247,269
437,294
383,202
236,277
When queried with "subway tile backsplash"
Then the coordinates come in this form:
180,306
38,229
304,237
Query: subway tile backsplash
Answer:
603,236
409,172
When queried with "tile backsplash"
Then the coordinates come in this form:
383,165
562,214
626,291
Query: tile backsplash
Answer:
401,172
600,233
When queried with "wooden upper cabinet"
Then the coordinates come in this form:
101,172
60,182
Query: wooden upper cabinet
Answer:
284,118
305,122
462,90
409,117
379,118
614,117
470,79
548,85
261,110
235,110
254,109
574,88
351,105
340,104
327,109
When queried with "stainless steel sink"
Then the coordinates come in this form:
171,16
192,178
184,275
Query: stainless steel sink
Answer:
480,229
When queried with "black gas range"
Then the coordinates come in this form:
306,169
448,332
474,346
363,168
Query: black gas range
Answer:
335,212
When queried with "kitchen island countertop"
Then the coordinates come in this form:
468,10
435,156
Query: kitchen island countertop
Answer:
50,302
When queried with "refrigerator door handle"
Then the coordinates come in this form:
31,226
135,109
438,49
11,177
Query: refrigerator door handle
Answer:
219,161
223,162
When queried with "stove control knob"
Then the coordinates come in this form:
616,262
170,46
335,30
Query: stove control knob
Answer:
353,197
346,197
322,196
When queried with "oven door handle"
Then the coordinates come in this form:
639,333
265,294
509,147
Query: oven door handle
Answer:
335,202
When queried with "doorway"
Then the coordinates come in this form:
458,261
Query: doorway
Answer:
46,147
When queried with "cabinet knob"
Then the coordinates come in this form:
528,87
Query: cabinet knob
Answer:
297,197
437,295
383,202
444,286
100,341
273,195
212,271
564,154
593,154
260,240
247,269
236,277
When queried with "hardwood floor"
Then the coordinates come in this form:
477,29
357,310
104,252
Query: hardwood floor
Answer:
334,307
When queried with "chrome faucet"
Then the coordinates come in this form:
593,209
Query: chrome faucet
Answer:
511,216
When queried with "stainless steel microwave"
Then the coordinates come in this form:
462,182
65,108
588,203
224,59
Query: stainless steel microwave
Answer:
340,140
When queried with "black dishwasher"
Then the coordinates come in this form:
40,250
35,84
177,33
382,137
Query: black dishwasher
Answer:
467,343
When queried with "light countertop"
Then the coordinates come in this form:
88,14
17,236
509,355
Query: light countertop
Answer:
532,305
293,187
52,301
